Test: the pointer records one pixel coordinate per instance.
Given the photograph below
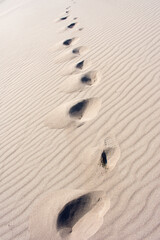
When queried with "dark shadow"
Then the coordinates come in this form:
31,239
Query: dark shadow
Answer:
72,212
67,42
80,65
63,18
86,79
78,109
71,25
75,51
103,159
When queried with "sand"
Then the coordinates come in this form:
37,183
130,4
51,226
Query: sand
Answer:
97,136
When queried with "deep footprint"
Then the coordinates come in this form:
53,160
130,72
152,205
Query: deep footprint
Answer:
63,18
86,80
76,209
90,78
71,25
73,113
108,152
106,156
77,110
79,50
68,214
68,42
103,159
79,82
73,211
80,65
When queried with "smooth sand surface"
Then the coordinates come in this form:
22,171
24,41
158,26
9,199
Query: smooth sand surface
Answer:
53,150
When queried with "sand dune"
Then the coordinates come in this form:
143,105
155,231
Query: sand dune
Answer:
68,133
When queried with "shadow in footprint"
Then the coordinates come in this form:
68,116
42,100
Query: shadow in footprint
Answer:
71,25
103,156
72,212
76,69
68,42
110,154
63,18
79,82
90,78
76,209
80,65
64,56
59,47
103,159
73,113
79,50
77,110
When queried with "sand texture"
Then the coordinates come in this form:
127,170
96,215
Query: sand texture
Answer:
80,120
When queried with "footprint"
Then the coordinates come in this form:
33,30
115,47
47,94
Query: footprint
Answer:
68,56
59,47
104,155
73,113
80,50
90,78
71,25
110,154
74,69
68,42
80,65
80,29
68,214
63,18
79,82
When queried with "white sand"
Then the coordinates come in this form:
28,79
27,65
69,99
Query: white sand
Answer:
120,38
